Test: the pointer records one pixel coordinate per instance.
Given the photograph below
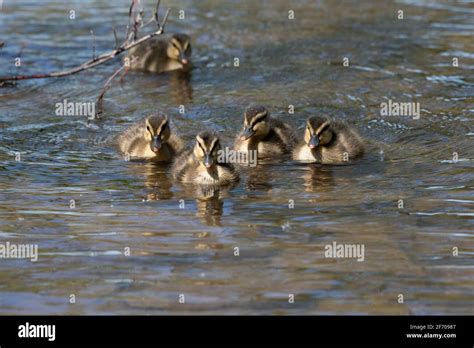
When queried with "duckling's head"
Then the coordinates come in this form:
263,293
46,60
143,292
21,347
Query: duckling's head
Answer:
318,131
157,131
207,148
256,122
179,48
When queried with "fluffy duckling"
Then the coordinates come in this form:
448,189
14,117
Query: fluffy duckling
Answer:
162,54
328,141
269,136
151,139
201,165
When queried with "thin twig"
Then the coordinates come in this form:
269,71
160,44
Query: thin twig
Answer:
137,19
163,23
154,18
93,44
106,86
137,23
130,10
100,100
116,38
156,13
127,69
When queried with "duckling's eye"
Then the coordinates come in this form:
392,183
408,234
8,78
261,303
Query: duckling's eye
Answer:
324,129
200,146
148,129
163,128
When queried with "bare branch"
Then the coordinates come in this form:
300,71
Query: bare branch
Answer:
165,19
137,14
156,13
154,18
93,44
126,70
130,10
116,38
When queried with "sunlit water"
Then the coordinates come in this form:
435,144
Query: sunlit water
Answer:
190,251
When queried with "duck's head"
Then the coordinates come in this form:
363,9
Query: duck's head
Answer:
179,48
256,122
157,131
206,149
318,131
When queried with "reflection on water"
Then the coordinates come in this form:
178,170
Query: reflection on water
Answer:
157,181
180,87
409,201
209,205
259,178
319,178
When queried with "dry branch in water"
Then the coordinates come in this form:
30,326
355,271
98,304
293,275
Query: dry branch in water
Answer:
130,42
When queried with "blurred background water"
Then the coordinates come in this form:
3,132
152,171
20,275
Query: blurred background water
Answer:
189,251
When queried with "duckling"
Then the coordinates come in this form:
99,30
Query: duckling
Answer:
162,54
202,166
151,139
269,136
328,141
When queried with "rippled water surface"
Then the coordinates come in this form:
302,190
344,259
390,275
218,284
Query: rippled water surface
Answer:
190,251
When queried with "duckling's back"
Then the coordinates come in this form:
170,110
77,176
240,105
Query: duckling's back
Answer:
150,56
284,134
347,145
227,173
280,140
131,140
187,170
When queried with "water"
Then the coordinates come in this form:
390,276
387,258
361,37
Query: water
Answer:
190,251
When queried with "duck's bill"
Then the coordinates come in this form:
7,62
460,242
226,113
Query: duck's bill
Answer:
208,161
156,144
248,132
313,142
183,59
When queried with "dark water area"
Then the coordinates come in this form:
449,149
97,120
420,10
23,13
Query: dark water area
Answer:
182,240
